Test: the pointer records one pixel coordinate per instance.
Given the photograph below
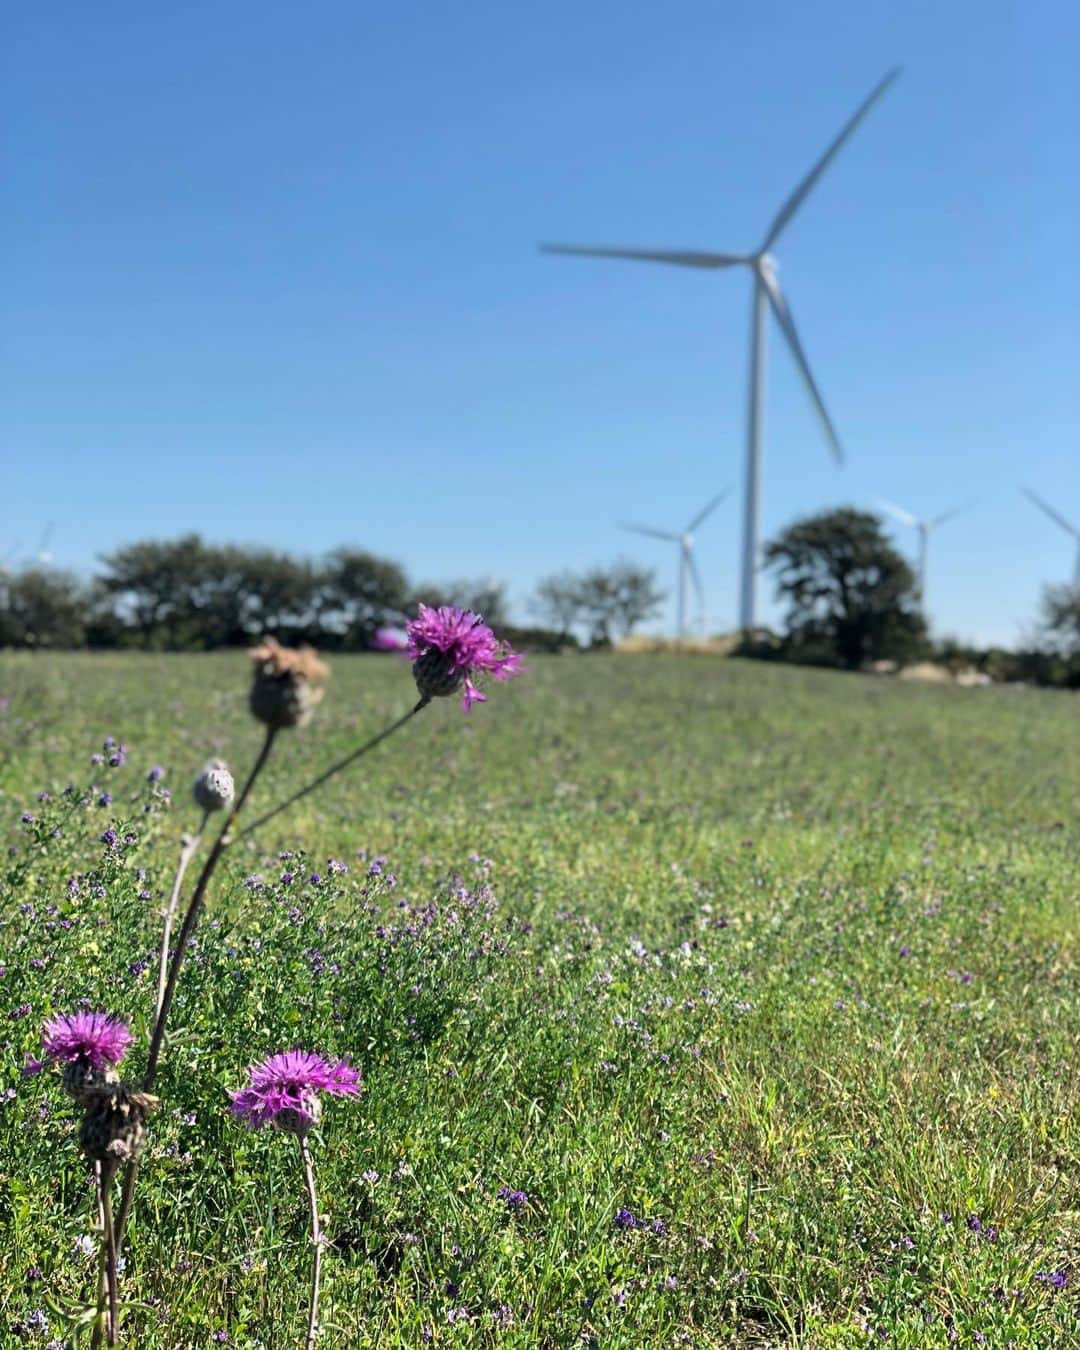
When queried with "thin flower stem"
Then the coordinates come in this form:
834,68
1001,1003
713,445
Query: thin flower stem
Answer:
99,1321
316,1243
112,1274
194,909
333,769
188,846
191,918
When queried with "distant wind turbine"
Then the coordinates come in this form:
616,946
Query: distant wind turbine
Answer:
1066,525
688,568
767,293
44,557
925,528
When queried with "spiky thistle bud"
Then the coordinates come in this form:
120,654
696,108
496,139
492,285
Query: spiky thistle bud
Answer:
114,1127
214,788
435,674
80,1079
300,1122
283,693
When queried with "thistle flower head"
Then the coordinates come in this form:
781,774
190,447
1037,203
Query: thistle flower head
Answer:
448,646
96,1040
284,1090
214,788
283,692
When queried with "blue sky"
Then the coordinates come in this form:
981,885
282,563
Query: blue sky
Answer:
271,273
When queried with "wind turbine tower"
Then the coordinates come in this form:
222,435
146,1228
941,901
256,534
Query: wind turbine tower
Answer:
1066,525
688,568
767,295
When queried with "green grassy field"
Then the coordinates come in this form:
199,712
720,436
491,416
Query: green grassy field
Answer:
782,962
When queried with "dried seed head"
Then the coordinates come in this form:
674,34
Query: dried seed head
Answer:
114,1127
282,694
435,674
283,701
214,788
80,1079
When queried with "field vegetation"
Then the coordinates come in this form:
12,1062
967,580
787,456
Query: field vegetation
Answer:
696,1001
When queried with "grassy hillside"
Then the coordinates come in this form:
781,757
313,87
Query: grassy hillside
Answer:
780,963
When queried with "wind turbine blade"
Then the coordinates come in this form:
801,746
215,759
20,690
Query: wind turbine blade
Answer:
784,215
681,258
645,529
787,327
897,511
708,510
948,515
1054,515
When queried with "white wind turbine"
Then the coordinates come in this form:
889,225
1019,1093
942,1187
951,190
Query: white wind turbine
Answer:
688,568
1066,525
767,294
925,528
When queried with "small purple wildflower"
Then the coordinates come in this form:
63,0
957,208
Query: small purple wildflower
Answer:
514,1199
156,774
284,1088
108,838
624,1219
93,1039
467,644
1057,1280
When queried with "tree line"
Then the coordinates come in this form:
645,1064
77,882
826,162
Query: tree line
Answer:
187,594
851,600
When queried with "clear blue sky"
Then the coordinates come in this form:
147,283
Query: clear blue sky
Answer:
270,272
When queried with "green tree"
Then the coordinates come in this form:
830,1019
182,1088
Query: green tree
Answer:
1060,621
359,593
155,585
558,602
486,598
615,599
851,597
42,607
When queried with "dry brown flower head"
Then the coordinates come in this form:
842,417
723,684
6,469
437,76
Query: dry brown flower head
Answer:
274,660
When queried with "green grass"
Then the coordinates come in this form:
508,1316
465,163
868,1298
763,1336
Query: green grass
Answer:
784,959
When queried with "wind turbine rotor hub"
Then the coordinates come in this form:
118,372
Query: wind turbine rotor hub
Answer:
767,265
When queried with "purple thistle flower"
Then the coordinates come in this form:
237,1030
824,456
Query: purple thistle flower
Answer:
283,1090
156,774
463,645
93,1040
